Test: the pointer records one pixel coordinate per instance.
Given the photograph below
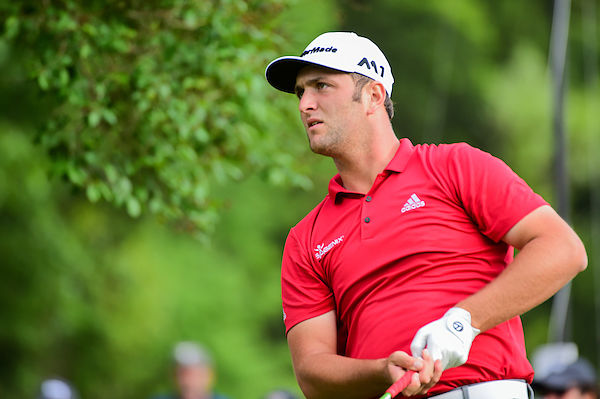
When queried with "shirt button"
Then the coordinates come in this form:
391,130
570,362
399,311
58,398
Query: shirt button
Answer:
367,220
368,199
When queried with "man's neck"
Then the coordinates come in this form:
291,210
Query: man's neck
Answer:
360,169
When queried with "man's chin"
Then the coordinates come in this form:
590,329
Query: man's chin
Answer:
319,147
322,150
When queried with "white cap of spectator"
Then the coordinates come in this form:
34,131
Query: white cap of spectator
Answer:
55,388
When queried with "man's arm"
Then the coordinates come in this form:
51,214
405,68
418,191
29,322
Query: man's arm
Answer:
322,373
550,255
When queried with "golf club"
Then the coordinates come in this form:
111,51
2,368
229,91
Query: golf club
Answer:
398,386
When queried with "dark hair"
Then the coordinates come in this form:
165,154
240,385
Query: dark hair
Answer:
359,83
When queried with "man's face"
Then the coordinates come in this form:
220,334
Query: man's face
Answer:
571,393
194,382
327,111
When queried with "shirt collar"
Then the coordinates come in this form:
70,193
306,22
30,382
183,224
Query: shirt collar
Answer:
396,165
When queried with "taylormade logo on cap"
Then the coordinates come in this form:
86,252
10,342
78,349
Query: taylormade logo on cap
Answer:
342,51
318,49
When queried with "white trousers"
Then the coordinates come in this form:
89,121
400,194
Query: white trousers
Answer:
501,389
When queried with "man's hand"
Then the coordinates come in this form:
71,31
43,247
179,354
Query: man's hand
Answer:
448,339
427,371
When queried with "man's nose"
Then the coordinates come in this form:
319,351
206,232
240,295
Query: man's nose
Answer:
307,102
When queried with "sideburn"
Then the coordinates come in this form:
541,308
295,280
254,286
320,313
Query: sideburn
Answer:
360,82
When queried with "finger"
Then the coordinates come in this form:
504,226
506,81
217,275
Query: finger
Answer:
414,387
428,374
406,361
418,343
437,374
438,369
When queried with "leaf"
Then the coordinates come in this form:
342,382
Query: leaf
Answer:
43,81
85,51
109,116
164,99
11,27
76,174
94,118
134,209
93,193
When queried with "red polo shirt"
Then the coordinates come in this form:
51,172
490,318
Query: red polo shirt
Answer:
426,235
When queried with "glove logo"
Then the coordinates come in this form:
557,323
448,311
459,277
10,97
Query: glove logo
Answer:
457,325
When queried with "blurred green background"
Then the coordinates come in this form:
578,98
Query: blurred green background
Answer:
149,175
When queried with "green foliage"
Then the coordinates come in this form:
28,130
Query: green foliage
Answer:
93,298
97,297
437,60
519,98
152,103
47,279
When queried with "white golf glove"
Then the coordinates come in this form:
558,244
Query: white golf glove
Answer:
448,338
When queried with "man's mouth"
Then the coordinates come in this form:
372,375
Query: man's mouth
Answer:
313,122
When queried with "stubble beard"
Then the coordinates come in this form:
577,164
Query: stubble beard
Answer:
333,142
327,144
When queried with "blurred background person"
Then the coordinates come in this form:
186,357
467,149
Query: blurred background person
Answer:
194,373
576,380
55,388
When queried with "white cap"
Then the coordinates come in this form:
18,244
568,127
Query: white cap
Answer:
342,51
555,357
191,354
56,389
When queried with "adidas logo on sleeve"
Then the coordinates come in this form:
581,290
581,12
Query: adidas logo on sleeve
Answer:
413,202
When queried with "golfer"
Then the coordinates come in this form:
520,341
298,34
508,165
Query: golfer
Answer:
407,263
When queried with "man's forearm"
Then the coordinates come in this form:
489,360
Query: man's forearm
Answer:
322,373
333,376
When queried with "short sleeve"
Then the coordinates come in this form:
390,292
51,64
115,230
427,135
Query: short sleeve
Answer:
494,196
304,291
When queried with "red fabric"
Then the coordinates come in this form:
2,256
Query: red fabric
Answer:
411,261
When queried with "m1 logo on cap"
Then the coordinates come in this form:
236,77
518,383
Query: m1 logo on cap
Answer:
365,61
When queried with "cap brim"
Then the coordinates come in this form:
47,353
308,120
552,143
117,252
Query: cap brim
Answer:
550,385
282,72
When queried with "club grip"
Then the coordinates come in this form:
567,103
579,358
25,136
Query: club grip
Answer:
400,384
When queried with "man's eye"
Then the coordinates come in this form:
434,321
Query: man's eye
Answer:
299,93
321,85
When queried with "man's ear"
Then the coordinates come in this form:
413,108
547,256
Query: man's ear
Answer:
375,93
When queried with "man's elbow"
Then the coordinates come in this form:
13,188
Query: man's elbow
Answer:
576,254
308,387
580,256
307,381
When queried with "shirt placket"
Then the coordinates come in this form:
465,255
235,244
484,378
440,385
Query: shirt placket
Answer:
368,220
